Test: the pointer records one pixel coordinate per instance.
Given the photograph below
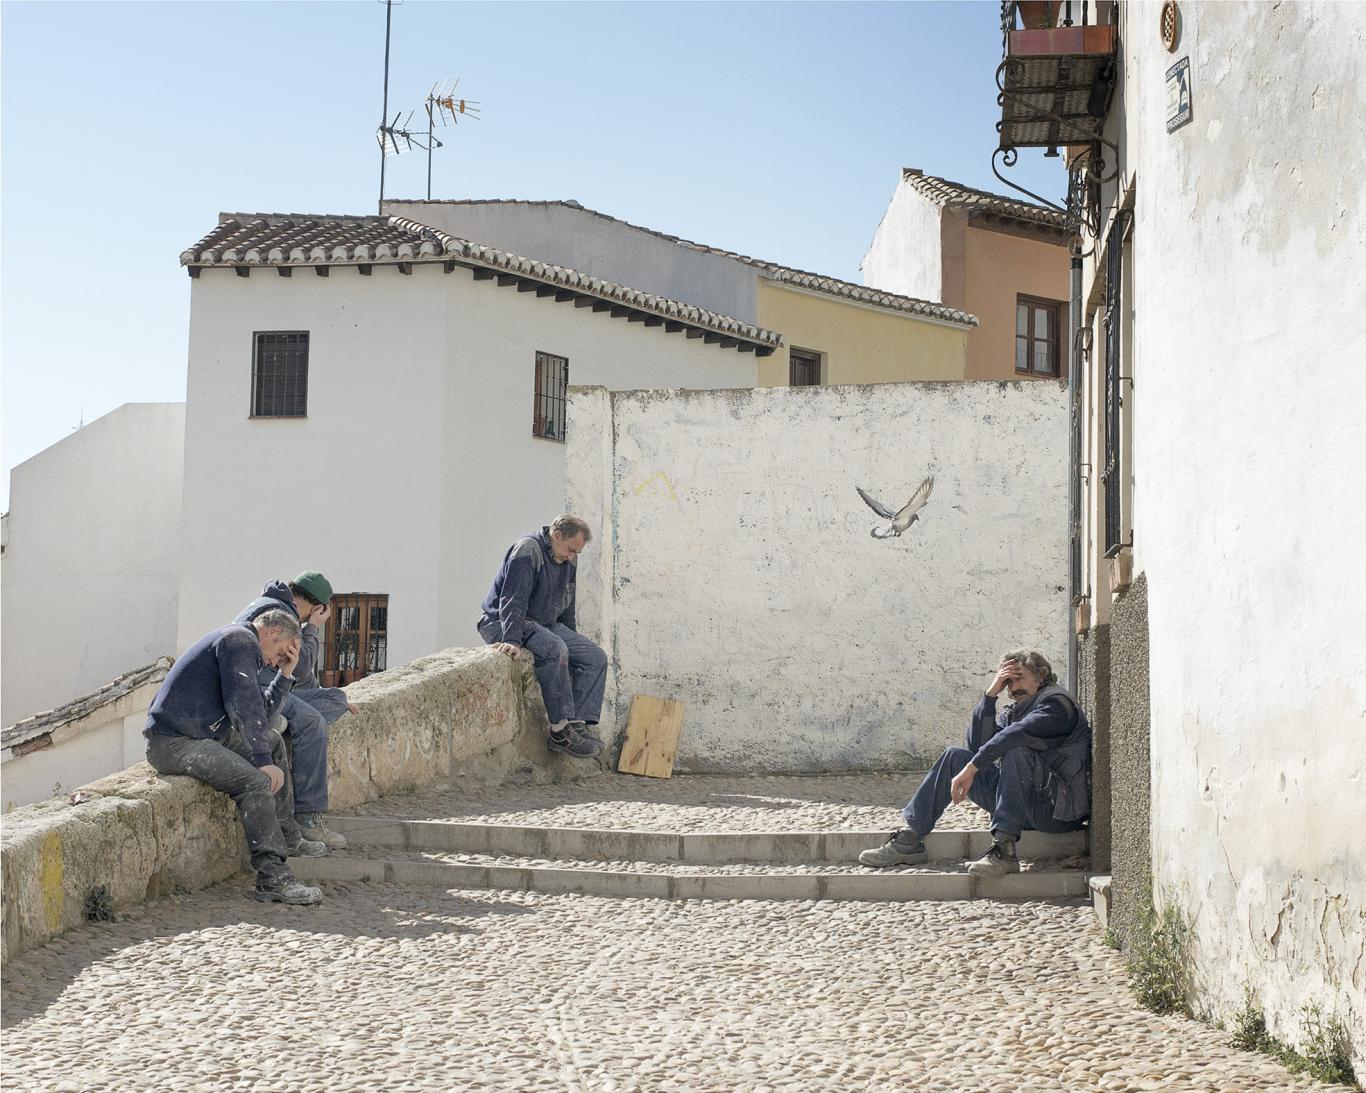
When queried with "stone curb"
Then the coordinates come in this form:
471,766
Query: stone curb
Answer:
697,848
906,885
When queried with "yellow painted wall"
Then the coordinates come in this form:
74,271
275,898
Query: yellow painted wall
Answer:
860,344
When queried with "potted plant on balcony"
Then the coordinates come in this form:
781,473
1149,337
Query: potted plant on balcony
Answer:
1037,14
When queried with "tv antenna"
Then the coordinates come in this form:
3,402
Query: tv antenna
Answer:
445,108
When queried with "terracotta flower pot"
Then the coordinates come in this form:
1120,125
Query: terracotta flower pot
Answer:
1037,14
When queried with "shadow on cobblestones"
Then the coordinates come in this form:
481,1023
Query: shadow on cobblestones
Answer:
35,980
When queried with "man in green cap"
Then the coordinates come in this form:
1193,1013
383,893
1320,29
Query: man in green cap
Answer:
309,709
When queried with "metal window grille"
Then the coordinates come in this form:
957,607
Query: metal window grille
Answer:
357,640
805,370
548,405
279,374
1114,470
1038,326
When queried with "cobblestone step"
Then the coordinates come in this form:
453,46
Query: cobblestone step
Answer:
663,881
701,848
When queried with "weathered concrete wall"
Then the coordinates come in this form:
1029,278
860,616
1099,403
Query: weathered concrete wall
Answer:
1130,805
1092,688
92,559
742,578
1248,314
462,713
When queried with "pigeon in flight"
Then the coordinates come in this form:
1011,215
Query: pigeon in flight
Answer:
905,517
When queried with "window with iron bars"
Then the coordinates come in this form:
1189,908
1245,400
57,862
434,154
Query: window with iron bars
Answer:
805,368
1113,475
548,405
357,642
279,373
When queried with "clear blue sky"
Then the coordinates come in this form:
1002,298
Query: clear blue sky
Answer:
775,129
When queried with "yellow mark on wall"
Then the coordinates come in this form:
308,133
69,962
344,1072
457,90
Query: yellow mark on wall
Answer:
50,880
658,476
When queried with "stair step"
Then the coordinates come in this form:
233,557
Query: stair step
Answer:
766,882
701,848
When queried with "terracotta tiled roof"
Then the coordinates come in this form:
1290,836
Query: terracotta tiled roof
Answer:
288,239
787,275
21,732
955,195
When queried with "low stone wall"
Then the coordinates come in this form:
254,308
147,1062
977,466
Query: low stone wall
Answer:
459,714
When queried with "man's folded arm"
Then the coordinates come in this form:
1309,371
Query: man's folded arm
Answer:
239,661
1051,718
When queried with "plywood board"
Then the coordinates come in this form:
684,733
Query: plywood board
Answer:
652,733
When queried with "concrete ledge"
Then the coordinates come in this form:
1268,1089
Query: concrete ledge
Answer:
698,848
461,713
1100,899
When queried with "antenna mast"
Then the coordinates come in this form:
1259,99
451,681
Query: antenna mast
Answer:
384,110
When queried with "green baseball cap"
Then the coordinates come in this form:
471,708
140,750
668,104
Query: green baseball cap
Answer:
315,584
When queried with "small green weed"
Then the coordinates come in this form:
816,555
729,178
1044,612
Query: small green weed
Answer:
1325,1055
1159,960
1111,939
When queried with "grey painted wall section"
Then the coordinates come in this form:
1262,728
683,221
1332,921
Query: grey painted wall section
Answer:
1092,688
1129,755
742,579
598,246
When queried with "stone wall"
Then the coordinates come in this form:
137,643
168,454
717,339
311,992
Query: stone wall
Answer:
1129,755
1092,688
735,570
462,713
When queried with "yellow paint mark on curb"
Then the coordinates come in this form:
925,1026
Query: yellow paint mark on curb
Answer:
50,880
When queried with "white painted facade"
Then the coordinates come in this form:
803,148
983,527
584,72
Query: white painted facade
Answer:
1245,333
741,577
415,468
906,254
92,557
600,246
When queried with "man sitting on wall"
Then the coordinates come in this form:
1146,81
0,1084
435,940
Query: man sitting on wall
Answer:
1029,766
531,606
210,720
309,709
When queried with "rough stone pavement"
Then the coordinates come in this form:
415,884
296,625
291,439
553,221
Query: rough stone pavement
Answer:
383,988
688,802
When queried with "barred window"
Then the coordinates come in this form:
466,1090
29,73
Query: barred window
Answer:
357,640
548,405
279,374
805,368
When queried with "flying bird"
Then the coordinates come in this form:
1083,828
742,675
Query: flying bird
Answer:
902,518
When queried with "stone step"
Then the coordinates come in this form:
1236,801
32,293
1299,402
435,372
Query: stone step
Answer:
701,848
765,882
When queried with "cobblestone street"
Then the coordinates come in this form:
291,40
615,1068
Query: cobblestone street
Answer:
384,988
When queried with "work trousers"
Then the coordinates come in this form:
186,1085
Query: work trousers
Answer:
307,712
1015,793
571,669
267,820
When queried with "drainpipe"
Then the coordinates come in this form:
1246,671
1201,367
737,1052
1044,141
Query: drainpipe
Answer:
1074,497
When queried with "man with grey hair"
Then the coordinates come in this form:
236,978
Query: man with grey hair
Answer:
1029,766
531,607
210,720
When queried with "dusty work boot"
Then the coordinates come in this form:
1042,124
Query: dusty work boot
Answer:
311,827
306,848
998,861
587,734
573,742
905,847
281,887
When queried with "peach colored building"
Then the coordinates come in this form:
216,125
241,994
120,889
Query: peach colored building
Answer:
1003,260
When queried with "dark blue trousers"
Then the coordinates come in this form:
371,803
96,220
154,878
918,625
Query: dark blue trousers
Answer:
1015,793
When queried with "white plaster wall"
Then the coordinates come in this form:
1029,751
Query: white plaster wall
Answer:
416,467
905,255
744,580
91,563
353,490
104,748
597,246
499,481
1249,339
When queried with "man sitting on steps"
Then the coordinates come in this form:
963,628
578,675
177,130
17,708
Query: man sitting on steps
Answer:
210,720
1029,766
531,606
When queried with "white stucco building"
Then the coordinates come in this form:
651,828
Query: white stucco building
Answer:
91,561
1222,331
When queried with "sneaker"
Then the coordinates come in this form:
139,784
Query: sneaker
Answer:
585,733
285,889
311,827
307,848
904,847
996,862
572,742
